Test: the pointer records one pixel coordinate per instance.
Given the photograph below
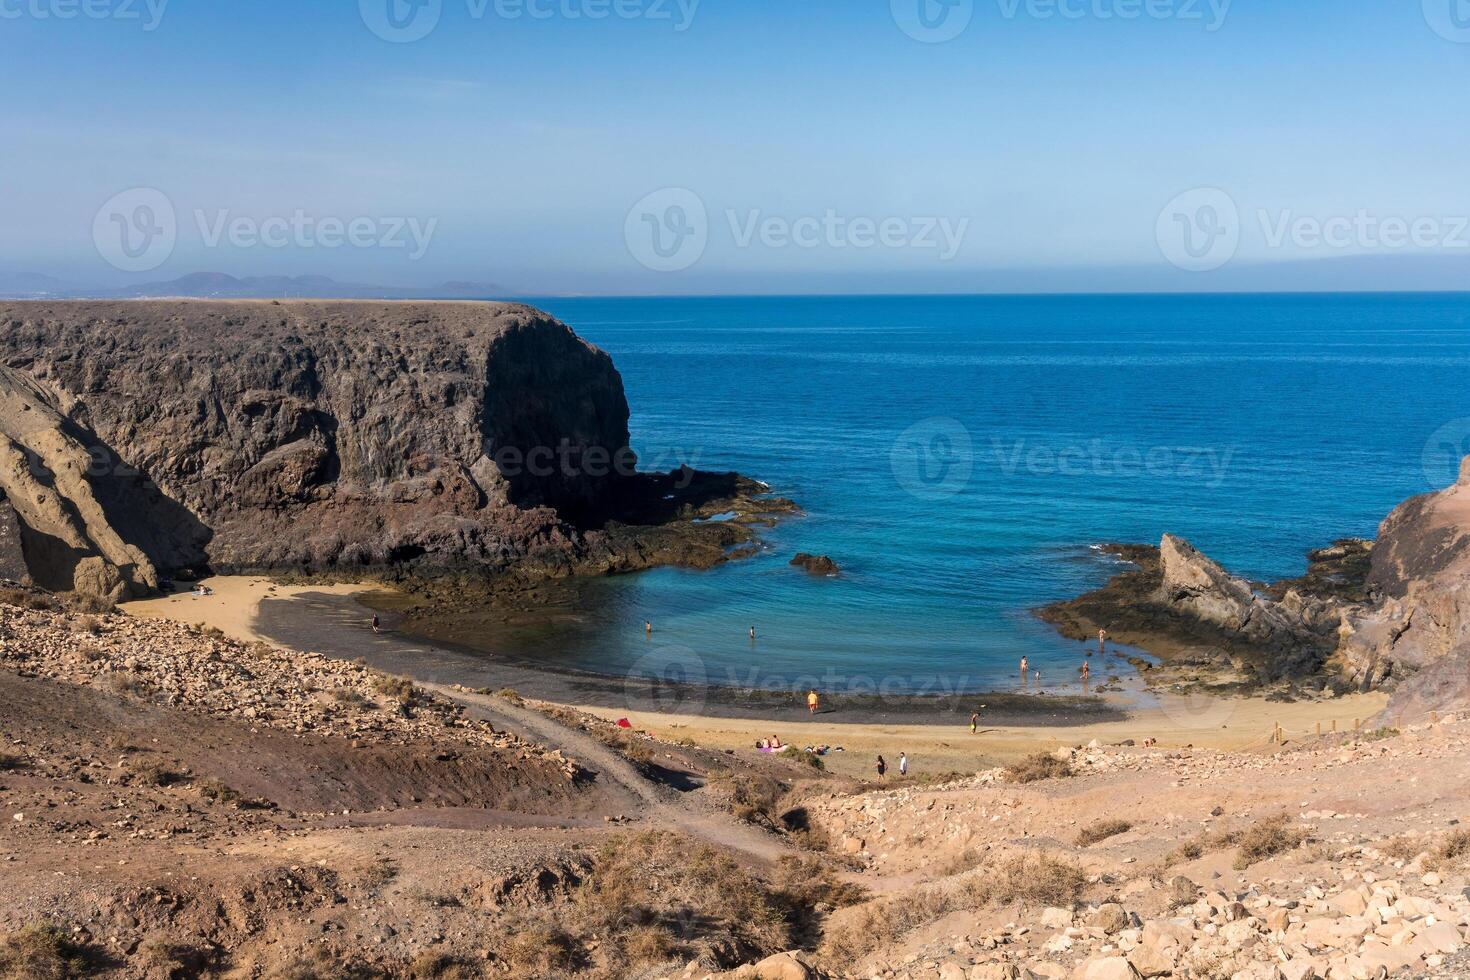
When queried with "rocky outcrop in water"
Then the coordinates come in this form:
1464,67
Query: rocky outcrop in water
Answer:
1394,614
417,439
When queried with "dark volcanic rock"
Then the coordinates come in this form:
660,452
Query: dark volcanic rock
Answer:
816,564
429,438
1179,604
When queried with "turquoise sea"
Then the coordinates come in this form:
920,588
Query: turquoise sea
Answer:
959,456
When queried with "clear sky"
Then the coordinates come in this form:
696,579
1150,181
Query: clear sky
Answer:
831,145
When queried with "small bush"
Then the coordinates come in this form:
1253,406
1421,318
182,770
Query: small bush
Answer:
1379,734
792,754
10,762
26,599
1451,848
349,698
218,791
40,953
510,694
650,944
95,604
441,966
1034,768
1269,837
128,684
379,874
90,625
1101,831
151,772
540,950
1033,879
400,689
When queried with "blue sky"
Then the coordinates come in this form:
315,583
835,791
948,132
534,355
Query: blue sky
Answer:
1036,150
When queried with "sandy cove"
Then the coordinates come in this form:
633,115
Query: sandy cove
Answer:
236,608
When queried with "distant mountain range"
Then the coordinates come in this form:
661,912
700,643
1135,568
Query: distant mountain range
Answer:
218,285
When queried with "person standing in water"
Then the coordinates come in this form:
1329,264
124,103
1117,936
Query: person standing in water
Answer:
648,627
752,632
1025,663
1102,641
377,625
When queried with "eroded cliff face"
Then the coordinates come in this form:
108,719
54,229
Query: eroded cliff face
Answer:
1417,633
330,436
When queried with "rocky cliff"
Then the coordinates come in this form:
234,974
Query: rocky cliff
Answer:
147,438
1392,614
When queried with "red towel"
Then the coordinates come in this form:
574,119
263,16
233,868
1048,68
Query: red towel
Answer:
624,723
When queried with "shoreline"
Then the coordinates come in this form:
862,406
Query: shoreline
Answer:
331,620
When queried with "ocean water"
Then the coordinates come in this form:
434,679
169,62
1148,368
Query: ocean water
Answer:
959,457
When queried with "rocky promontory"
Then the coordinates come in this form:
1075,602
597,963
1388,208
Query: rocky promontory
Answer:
405,440
1391,614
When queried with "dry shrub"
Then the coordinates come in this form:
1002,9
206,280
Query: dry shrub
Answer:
152,772
90,625
753,798
85,602
810,759
125,683
350,698
510,694
323,965
10,762
441,966
1037,879
1267,838
1101,831
400,689
217,790
27,599
539,950
40,953
1448,852
650,944
1036,767
379,874
1403,848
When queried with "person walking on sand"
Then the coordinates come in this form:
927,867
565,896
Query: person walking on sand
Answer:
903,764
812,702
882,767
377,625
974,722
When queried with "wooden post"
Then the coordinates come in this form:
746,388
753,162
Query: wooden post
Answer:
1357,724
1319,728
1334,726
1434,717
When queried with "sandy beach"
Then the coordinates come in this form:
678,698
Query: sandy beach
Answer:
328,619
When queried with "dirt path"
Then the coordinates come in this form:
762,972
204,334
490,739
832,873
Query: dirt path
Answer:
657,805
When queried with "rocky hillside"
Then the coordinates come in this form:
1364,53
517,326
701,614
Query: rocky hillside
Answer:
428,437
1394,613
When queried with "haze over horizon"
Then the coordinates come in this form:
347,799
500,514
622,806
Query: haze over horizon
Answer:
652,147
